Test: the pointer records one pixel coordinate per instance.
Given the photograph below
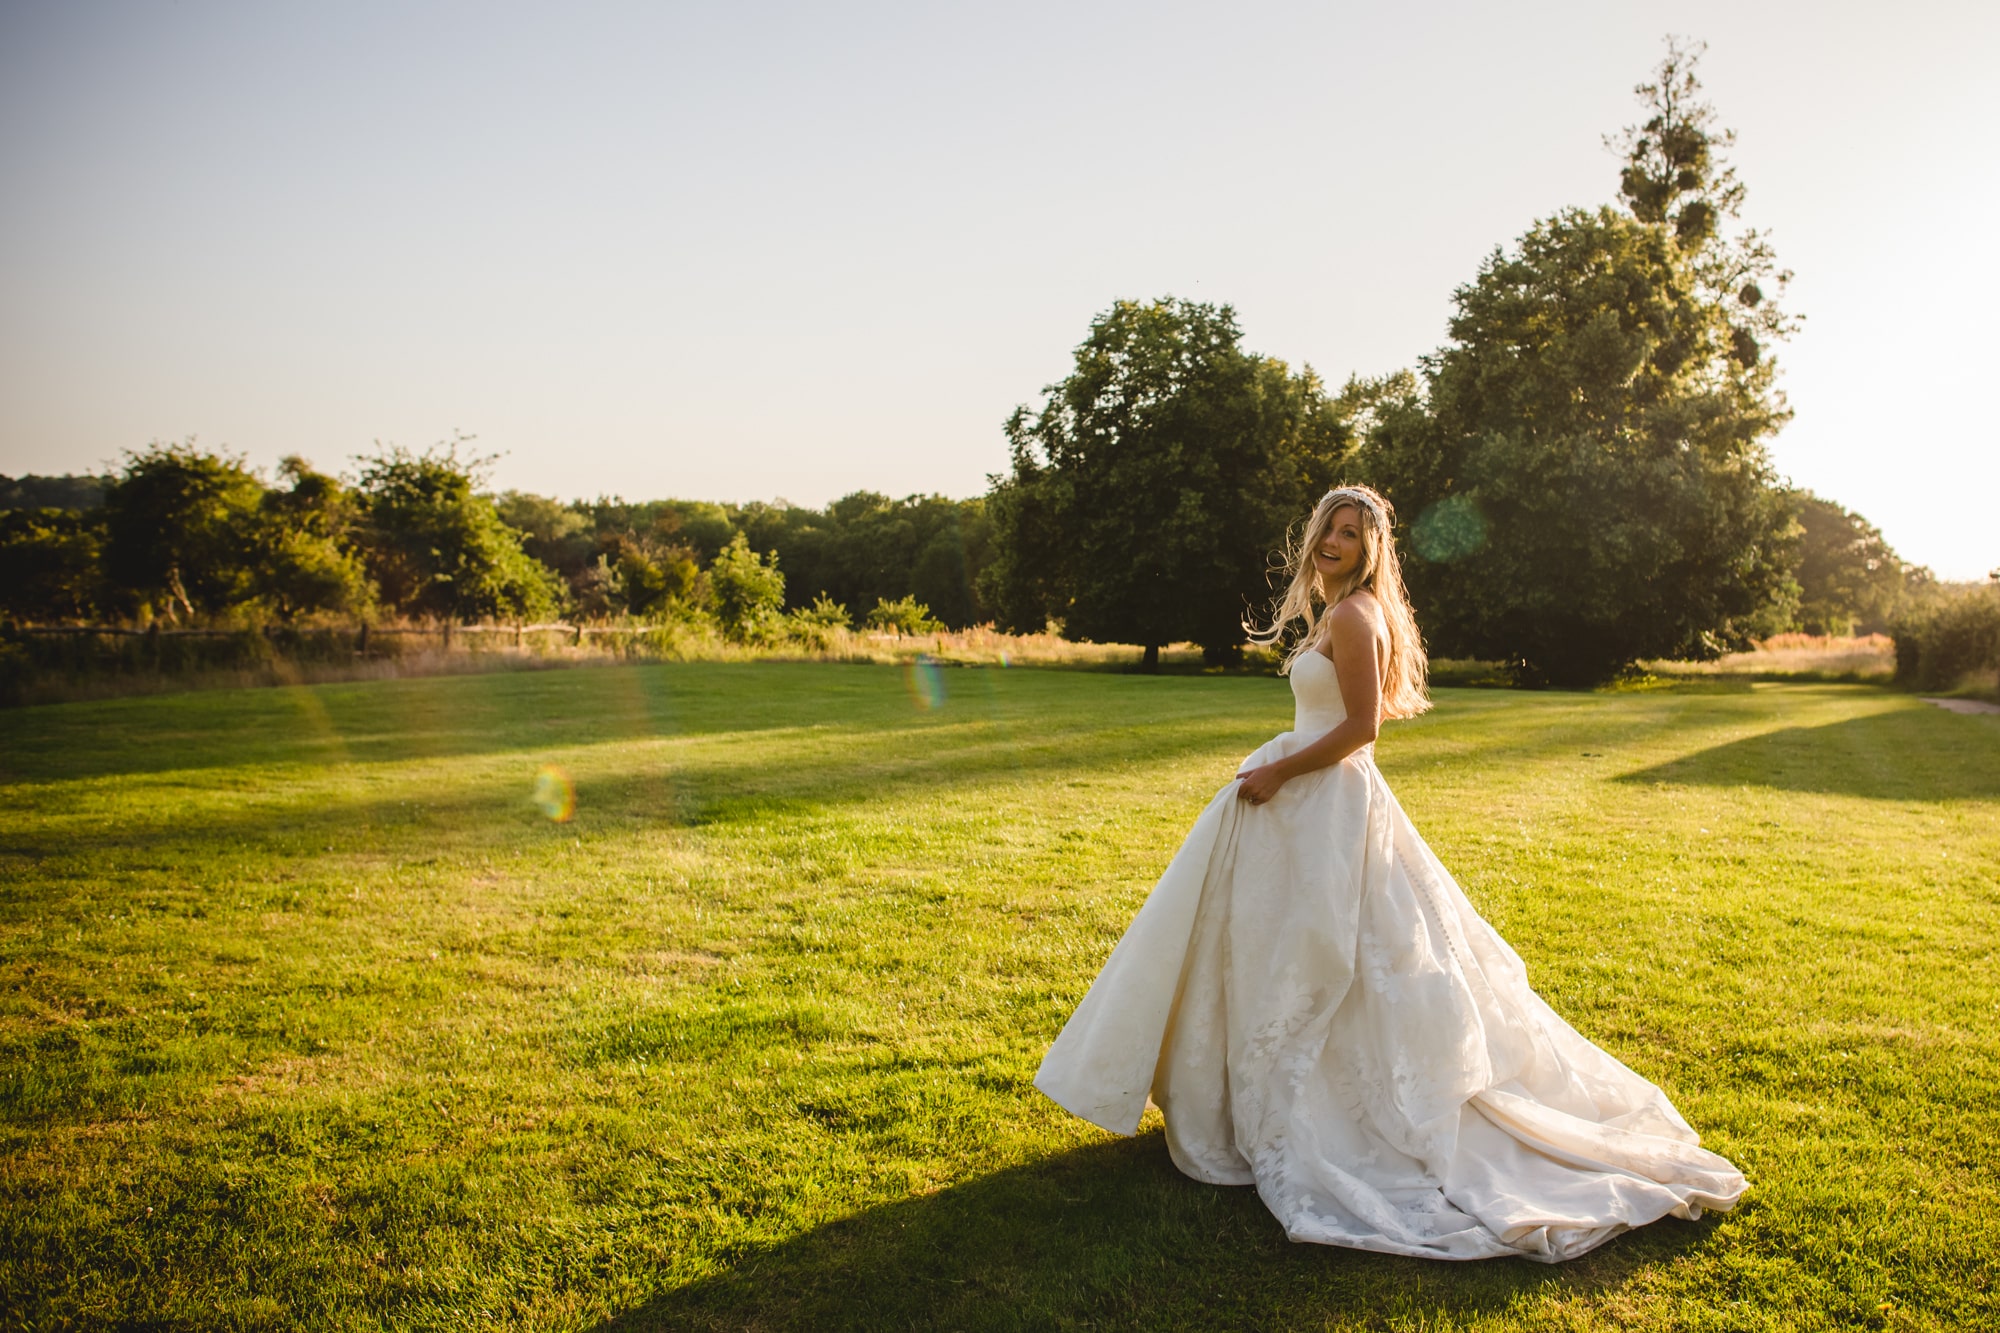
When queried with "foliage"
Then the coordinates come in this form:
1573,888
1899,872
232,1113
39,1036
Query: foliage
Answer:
312,1018
702,526
1583,468
1850,580
178,525
1949,635
639,558
824,611
866,547
819,625
439,549
313,546
653,579
749,592
68,491
50,564
906,615
304,547
1149,491
561,536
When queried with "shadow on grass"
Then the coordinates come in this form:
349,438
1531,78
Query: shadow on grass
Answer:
619,794
1909,753
459,716
1109,1235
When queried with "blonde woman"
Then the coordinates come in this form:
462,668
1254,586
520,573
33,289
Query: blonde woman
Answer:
1318,1010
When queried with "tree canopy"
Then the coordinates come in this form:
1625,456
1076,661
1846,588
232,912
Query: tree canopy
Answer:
1584,465
178,526
438,548
1149,490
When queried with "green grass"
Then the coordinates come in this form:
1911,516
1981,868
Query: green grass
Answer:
308,1018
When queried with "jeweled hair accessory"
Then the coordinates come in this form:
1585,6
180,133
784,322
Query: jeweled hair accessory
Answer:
1365,499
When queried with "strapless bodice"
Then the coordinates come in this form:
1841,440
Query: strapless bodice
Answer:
1317,707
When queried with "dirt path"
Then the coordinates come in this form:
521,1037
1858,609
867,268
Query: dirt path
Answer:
1964,705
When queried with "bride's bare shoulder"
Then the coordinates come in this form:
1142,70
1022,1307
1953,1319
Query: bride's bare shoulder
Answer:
1358,609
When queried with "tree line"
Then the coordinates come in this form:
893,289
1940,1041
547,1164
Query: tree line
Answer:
183,535
1581,474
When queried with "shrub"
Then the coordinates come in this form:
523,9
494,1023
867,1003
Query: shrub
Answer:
905,616
748,592
818,625
1952,635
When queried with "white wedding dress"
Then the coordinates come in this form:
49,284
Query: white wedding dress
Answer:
1318,1011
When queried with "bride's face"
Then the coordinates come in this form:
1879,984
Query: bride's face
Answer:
1339,551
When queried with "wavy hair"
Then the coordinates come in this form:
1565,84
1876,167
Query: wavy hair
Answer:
1307,598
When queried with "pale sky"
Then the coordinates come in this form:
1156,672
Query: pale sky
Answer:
755,250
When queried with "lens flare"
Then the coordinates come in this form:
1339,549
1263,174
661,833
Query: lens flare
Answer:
925,682
1449,530
555,794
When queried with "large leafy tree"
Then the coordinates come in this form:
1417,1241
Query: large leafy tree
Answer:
178,523
1151,488
439,549
1584,464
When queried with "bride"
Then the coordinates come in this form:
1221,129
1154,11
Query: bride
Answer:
1318,1011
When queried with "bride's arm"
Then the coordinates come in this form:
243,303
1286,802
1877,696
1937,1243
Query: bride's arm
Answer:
1353,634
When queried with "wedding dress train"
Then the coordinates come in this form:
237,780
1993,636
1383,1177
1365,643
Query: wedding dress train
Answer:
1318,1011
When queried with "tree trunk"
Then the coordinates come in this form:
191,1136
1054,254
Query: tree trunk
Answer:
1150,664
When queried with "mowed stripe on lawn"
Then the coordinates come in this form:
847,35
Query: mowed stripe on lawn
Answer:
311,1018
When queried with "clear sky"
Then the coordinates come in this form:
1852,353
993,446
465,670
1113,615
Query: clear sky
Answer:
735,251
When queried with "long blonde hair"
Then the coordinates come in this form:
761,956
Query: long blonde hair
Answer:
1380,573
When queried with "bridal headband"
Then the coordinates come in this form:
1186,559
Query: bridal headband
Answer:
1362,496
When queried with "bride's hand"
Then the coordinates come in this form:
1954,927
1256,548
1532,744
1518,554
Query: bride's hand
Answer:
1258,785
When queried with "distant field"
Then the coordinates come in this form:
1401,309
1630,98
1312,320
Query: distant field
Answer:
311,1018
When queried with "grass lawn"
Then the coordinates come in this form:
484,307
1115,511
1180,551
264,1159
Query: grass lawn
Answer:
308,1017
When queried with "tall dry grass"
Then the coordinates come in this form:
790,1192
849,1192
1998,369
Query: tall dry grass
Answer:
121,667
1868,657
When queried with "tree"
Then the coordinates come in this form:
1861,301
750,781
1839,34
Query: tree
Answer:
304,547
561,536
749,593
50,564
177,524
1150,490
438,548
652,577
1850,580
1583,466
